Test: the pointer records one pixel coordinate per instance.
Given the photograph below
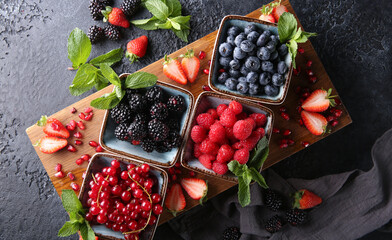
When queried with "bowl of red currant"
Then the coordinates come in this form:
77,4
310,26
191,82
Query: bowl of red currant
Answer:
123,196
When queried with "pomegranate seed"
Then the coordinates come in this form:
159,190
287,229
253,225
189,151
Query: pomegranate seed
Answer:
290,142
135,142
75,186
285,116
301,50
313,79
301,123
82,116
85,157
283,109
88,110
93,144
69,127
71,176
59,174
84,175
286,132
297,71
206,71
338,113
71,148
172,171
174,177
209,62
206,88
309,63
81,125
337,101
330,118
192,174
99,149
283,141
298,90
78,135
79,161
89,116
58,167
177,164
275,130
78,142
72,123
222,70
178,171
283,145
305,94
305,144
334,123
309,72
202,55
73,110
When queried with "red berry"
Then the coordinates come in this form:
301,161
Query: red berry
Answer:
85,157
208,146
202,55
146,206
192,174
242,156
219,168
205,120
330,118
283,109
156,198
206,71
115,163
82,116
58,167
75,186
99,149
88,110
126,196
89,116
157,209
222,70
94,210
137,193
101,218
81,125
305,144
309,72
286,132
78,135
228,118
88,217
217,133
221,108
337,113
93,144
69,127
71,176
275,130
285,116
79,161
301,50
59,174
290,142
334,123
225,154
71,148
259,118
309,63
213,113
313,79
206,88
283,145
198,134
236,107
78,142
242,129
283,141
73,110
206,160
297,71
337,101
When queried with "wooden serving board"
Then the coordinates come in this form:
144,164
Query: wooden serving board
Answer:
216,186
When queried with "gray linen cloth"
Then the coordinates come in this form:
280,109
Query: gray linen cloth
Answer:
354,204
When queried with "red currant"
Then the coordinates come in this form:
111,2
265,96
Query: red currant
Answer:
132,225
116,190
88,217
113,180
156,198
101,218
94,210
124,175
126,196
146,205
134,215
138,193
111,171
157,209
153,220
115,163
145,168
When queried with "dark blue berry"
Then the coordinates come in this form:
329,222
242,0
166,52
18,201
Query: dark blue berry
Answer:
225,49
274,38
230,39
242,87
252,77
238,53
244,70
282,68
274,55
224,61
278,80
242,79
254,88
247,46
271,45
271,90
262,40
223,77
265,78
252,63
233,31
264,54
253,36
235,64
238,40
231,83
250,28
282,50
267,66
234,73
267,33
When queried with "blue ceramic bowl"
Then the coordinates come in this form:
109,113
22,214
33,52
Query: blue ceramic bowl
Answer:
109,141
242,22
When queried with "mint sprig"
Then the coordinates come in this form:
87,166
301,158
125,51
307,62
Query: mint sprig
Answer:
248,172
76,222
291,35
166,15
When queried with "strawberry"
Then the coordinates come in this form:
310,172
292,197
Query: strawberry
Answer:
136,48
314,122
266,12
175,200
305,199
267,18
190,65
278,11
196,188
319,101
53,127
115,16
173,70
50,144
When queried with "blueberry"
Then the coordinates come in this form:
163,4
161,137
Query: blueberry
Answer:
224,62
238,53
253,36
242,87
271,45
252,63
250,28
267,66
242,79
252,77
282,50
267,33
233,31
265,78
247,46
262,40
234,73
223,77
235,64
231,83
274,55
264,54
230,39
225,49
244,70
241,37
282,68
278,80
271,90
254,88
274,38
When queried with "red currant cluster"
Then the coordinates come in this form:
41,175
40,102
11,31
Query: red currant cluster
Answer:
124,200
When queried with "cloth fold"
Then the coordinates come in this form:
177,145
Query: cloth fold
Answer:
354,204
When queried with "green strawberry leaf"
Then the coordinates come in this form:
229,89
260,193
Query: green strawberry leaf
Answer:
68,229
106,101
110,74
157,8
79,47
84,80
42,121
70,201
108,58
140,80
287,27
174,7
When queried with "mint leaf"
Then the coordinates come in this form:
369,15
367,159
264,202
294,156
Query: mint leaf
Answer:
166,25
175,25
79,47
71,202
258,177
293,47
86,231
84,79
100,81
158,9
181,19
76,217
304,36
259,154
287,27
140,80
243,190
110,74
174,7
108,58
119,92
182,34
147,24
106,101
68,229
90,231
236,168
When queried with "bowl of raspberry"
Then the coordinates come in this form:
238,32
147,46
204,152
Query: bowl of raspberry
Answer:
223,128
149,124
249,61
124,197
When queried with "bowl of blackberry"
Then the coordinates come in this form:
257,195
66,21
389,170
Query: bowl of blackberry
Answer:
149,124
249,61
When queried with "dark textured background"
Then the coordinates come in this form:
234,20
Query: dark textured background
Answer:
354,44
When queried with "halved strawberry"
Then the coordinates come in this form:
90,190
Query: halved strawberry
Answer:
266,11
319,101
196,188
314,122
172,69
175,200
53,127
51,144
278,11
190,65
267,18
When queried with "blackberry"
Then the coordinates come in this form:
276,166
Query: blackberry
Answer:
121,113
147,145
107,2
176,104
137,130
173,140
95,34
273,200
137,102
296,216
173,124
121,132
159,111
112,32
141,117
129,7
161,148
231,233
154,94
158,130
274,224
132,91
95,9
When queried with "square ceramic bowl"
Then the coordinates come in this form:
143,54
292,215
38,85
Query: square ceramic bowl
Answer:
242,22
109,141
101,160
208,100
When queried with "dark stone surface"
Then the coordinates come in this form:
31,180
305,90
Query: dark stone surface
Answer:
354,44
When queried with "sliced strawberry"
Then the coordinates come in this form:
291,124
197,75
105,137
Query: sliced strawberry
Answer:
278,11
266,11
314,122
190,65
51,144
172,69
53,127
305,199
196,188
175,200
267,18
319,101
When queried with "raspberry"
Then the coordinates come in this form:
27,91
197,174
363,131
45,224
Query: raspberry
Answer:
219,168
206,160
236,107
208,146
196,150
225,154
230,135
205,120
213,113
228,118
198,134
242,129
251,121
220,109
242,116
242,155
261,131
251,141
217,133
259,118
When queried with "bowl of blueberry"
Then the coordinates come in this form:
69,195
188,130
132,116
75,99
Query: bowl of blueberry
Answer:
249,61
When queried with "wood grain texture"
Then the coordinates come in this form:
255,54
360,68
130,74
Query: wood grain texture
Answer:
216,186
